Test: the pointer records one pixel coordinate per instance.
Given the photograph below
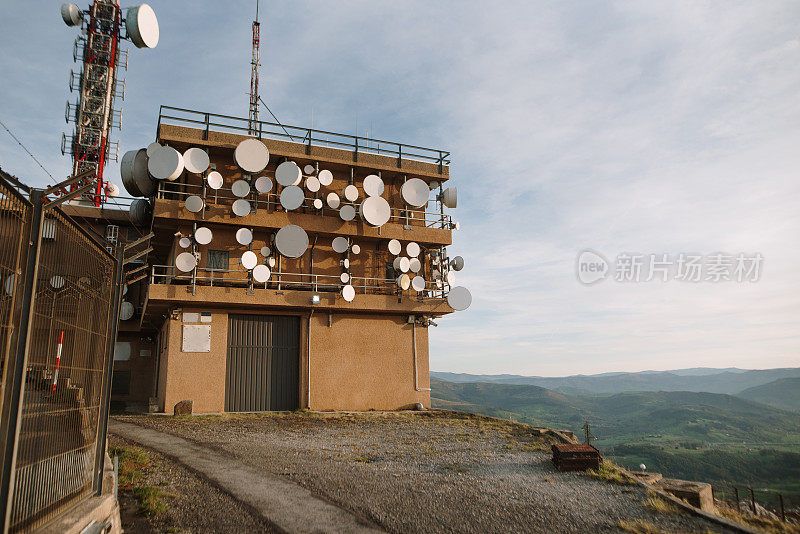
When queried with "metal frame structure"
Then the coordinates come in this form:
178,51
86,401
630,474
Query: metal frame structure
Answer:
255,63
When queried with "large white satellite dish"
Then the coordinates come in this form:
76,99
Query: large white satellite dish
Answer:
414,265
355,249
240,188
291,241
185,262
457,263
263,185
403,281
325,177
349,293
309,169
251,155
195,160
142,26
413,249
288,173
71,14
249,260
312,184
415,192
418,283
373,185
395,247
241,207
194,203
375,210
340,244
261,273
350,193
449,197
165,164
184,242
347,213
244,236
126,311
292,197
214,180
459,298
203,235
333,200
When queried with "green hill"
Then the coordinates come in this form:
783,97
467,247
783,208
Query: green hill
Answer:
782,393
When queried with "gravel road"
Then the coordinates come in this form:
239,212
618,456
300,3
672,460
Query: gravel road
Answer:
429,471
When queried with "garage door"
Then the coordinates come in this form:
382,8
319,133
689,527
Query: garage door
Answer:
263,368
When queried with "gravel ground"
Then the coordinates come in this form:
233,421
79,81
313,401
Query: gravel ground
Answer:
426,472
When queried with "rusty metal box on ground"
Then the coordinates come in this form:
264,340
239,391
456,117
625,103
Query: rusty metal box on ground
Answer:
575,457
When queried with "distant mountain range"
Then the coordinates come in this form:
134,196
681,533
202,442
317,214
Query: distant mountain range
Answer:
783,393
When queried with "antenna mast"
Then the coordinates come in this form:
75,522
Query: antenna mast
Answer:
252,124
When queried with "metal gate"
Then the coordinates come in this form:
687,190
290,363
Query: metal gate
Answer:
263,367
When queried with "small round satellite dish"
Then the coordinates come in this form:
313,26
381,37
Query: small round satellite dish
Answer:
263,185
309,169
312,184
194,203
451,278
346,263
395,247
350,193
244,236
415,192
185,242
288,173
333,200
57,281
265,251
325,177
403,281
414,265
240,188
396,263
405,264
373,185
433,185
450,197
355,249
251,155
241,207
457,264
195,160
418,283
71,14
375,210
271,262
292,197
249,260
347,213
459,298
318,203
185,262
142,26
344,277
291,241
125,311
165,164
203,235
261,273
349,293
340,244
214,180
112,189
457,226
140,212
413,249
152,148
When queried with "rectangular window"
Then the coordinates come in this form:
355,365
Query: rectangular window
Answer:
217,259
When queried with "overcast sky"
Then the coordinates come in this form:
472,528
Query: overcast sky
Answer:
622,127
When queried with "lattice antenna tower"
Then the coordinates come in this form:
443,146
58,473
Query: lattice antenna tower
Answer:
255,62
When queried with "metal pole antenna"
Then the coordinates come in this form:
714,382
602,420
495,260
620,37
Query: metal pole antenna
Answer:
252,123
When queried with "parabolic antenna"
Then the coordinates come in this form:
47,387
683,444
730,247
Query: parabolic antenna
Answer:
459,298
340,244
350,193
71,14
325,177
265,251
240,188
251,155
349,293
271,261
292,197
309,169
288,173
451,278
415,192
165,164
449,197
249,260
414,265
112,189
312,184
185,242
395,247
355,249
318,203
373,185
142,26
261,273
214,180
346,263
403,281
413,249
457,263
402,264
375,210
347,213
291,241
241,207
185,262
57,281
195,160
263,185
152,148
244,236
125,311
140,212
203,235
141,176
418,283
333,200
194,203
344,277
126,172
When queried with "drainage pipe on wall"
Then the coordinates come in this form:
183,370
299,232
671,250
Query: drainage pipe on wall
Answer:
414,348
308,362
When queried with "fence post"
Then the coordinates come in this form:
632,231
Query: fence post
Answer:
783,512
17,360
736,496
752,500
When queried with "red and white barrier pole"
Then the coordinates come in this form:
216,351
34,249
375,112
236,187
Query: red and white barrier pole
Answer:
58,360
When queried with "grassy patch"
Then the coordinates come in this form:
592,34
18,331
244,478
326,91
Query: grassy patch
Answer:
638,527
610,474
770,526
458,468
133,464
656,504
151,500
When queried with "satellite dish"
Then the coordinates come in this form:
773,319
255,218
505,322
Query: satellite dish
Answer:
415,192
325,177
263,185
185,262
318,203
312,184
185,242
241,207
449,197
375,211
265,251
355,249
395,247
347,213
165,164
457,264
291,241
142,26
292,197
414,265
413,249
71,14
373,185
451,278
401,263
403,281
457,226
249,260
418,283
112,189
433,185
57,281
152,148
261,273
251,155
141,176
288,173
126,172
309,169
459,298
240,188
350,193
244,236
140,212
203,235
333,200
126,311
271,261
344,277
340,244
346,263
196,160
194,203
349,293
214,180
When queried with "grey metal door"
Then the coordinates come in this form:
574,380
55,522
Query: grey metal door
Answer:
263,367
